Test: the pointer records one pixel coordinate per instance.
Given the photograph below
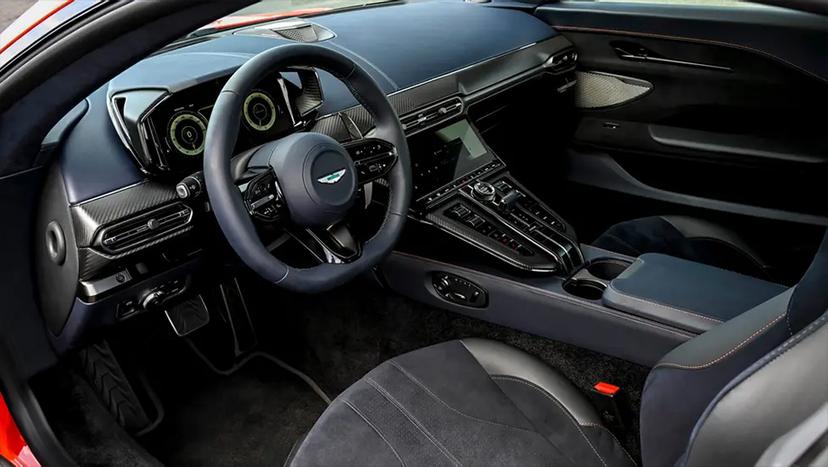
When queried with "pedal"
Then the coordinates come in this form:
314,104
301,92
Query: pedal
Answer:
188,316
244,334
103,372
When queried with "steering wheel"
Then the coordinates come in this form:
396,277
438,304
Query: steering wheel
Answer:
306,179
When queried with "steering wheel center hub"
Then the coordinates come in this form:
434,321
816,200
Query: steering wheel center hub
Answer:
317,178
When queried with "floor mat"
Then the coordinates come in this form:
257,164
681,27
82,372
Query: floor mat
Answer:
252,417
83,425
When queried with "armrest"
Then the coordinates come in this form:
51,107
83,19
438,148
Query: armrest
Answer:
685,294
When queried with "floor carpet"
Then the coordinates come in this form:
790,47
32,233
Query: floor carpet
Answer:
252,417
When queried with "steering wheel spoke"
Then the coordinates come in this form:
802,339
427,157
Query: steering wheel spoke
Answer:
373,158
263,198
334,244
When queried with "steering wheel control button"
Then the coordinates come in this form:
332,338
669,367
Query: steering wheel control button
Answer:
262,198
373,159
458,290
483,191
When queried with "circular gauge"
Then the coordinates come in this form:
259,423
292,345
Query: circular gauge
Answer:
187,131
259,111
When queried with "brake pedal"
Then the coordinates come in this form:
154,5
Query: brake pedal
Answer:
188,316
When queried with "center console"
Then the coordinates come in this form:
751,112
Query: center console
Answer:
533,275
464,189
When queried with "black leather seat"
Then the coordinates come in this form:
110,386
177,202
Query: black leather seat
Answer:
479,402
684,237
470,402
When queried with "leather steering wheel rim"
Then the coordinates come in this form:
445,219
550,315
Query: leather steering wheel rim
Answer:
226,199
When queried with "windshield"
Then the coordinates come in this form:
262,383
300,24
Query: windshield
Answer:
269,10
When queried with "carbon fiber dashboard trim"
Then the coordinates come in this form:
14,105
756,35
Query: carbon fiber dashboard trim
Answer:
91,261
91,215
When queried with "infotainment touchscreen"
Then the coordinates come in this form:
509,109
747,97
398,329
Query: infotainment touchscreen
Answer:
443,155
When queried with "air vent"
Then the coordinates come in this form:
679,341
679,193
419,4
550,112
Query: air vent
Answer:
144,228
427,117
294,29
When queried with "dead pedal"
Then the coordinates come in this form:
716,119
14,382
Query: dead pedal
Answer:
103,372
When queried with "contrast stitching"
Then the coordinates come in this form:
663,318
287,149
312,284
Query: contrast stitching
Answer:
613,437
373,427
662,305
786,346
549,396
445,404
727,354
788,315
657,303
411,418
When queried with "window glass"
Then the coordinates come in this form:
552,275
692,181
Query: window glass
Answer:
718,3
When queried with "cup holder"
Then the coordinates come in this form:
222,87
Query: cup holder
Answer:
607,269
590,290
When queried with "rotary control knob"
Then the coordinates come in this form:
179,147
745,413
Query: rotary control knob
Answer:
190,187
483,191
152,300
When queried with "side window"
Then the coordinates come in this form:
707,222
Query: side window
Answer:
24,22
714,3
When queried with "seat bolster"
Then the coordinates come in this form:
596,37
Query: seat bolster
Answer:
797,367
704,364
502,360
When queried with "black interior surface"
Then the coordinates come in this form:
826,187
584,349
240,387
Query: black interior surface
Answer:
532,132
259,411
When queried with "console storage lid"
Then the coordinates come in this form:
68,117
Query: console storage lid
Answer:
685,294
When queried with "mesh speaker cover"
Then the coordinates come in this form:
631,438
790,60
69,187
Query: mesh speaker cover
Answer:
596,90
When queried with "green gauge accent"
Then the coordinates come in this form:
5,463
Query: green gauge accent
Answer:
187,131
259,111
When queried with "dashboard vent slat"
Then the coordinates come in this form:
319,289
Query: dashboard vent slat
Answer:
422,119
144,228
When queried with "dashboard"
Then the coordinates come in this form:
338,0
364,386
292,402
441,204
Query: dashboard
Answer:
128,144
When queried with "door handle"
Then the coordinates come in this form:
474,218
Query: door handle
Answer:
638,53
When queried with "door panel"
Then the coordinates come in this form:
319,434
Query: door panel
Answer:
702,118
715,112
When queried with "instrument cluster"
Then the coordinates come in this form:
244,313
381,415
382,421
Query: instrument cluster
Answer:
178,124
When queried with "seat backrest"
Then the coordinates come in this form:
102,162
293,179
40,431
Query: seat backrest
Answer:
684,383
